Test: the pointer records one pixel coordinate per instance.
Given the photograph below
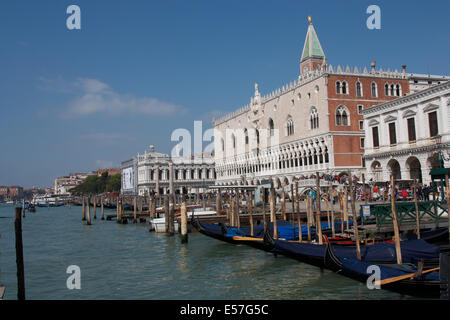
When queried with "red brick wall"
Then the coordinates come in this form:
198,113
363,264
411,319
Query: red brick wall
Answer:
351,101
347,150
346,144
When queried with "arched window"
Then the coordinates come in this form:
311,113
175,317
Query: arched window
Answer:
392,90
358,89
233,141
386,89
398,90
222,144
257,136
342,116
289,126
271,127
338,87
314,118
374,90
344,87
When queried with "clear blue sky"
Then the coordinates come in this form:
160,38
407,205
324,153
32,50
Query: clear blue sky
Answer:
79,100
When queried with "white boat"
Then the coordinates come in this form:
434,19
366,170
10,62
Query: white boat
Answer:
159,224
47,200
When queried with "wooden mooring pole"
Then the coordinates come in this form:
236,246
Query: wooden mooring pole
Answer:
355,218
88,211
447,193
95,207
250,211
83,209
184,231
283,203
318,222
395,221
308,216
19,255
103,208
273,212
134,209
166,212
416,206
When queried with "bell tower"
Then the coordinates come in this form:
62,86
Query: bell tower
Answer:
312,54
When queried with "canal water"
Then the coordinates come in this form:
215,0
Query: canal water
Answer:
129,262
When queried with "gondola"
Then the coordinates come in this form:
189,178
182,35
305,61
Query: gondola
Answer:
314,253
424,285
431,236
227,234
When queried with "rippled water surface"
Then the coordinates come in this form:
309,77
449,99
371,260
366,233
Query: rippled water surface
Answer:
129,262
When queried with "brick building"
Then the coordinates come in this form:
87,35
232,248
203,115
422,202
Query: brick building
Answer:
312,124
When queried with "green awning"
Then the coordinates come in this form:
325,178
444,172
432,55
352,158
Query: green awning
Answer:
439,173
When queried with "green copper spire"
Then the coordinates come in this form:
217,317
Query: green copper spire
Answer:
312,47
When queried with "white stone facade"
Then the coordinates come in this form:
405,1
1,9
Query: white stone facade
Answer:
408,158
190,175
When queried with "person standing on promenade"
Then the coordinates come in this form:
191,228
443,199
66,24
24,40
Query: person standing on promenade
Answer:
404,194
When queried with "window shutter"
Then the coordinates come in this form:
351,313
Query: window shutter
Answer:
432,121
411,130
375,137
392,136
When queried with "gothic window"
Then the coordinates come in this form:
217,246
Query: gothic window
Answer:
222,144
398,90
392,90
271,127
233,141
374,90
338,87
386,89
342,116
344,87
246,135
314,118
358,89
290,126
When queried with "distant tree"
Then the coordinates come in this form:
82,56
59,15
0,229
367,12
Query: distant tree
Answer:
95,184
114,183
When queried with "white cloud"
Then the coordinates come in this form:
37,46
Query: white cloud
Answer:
95,96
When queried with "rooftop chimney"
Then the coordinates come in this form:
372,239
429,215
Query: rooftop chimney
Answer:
372,64
404,68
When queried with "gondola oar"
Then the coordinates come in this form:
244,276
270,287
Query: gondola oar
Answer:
406,276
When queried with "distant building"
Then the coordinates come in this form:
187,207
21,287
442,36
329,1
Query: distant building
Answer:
64,184
409,136
150,173
11,192
111,172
